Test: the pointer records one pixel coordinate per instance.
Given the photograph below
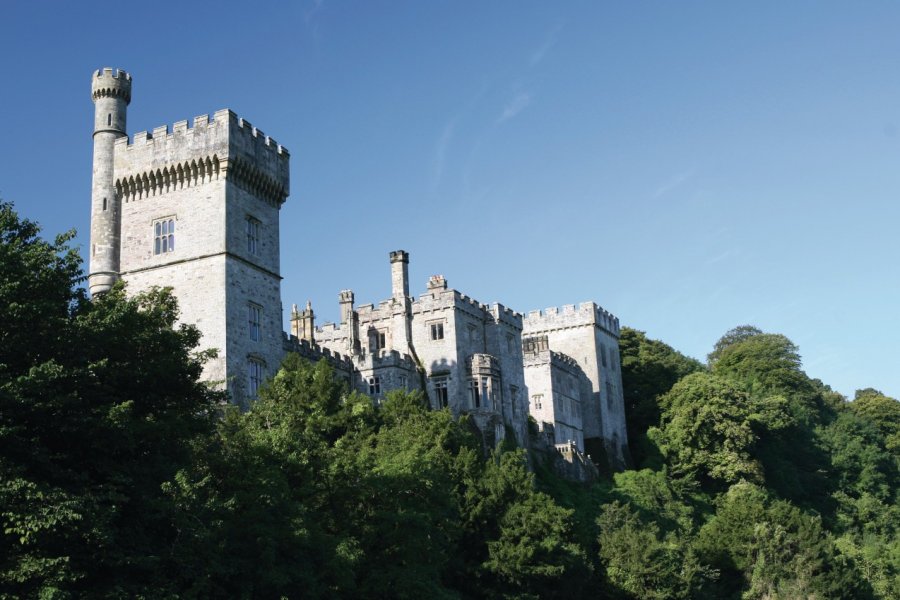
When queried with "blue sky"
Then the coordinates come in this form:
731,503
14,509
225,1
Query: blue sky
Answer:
690,166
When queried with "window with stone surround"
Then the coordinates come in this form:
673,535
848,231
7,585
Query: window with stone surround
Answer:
254,317
603,354
474,393
440,391
437,330
377,340
252,236
374,386
513,398
164,235
510,343
255,375
537,401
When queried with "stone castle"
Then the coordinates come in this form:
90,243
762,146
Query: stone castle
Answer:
196,208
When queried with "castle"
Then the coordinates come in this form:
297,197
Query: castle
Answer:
196,208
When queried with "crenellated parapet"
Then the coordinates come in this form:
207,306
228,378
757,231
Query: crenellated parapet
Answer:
507,316
314,352
111,83
570,315
224,146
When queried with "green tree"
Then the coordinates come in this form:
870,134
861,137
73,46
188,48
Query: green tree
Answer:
771,549
706,432
649,369
731,337
643,562
100,406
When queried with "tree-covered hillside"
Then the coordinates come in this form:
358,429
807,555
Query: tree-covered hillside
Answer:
123,476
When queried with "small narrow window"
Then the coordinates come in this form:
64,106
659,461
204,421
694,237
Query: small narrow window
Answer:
474,393
254,314
252,236
255,374
109,119
104,204
404,383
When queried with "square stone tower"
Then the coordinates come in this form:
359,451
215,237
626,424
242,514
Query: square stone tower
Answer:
590,335
195,209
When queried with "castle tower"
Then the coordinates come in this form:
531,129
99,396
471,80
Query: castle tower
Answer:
111,93
196,209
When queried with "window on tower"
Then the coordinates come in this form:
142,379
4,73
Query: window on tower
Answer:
164,236
252,236
439,383
255,375
254,314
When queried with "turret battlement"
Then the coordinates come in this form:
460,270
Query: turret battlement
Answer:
569,315
201,124
503,314
225,145
114,83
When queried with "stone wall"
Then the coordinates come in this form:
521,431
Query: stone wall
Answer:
589,334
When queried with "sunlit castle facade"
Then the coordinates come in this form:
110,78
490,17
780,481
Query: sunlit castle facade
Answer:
196,208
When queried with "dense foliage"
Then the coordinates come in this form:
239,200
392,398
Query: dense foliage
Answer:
121,475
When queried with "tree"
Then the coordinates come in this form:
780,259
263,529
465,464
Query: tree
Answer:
773,550
731,337
643,562
649,369
100,405
706,432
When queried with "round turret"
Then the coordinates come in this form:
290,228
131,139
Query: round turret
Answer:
111,83
111,93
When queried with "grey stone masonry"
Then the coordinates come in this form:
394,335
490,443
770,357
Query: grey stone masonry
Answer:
590,336
557,388
111,93
466,355
197,210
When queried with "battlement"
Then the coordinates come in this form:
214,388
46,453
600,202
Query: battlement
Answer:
508,316
111,83
226,118
437,282
399,256
314,352
464,301
570,315
226,145
384,359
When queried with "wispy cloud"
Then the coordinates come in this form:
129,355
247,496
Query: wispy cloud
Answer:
313,10
673,183
518,103
440,153
723,256
547,45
